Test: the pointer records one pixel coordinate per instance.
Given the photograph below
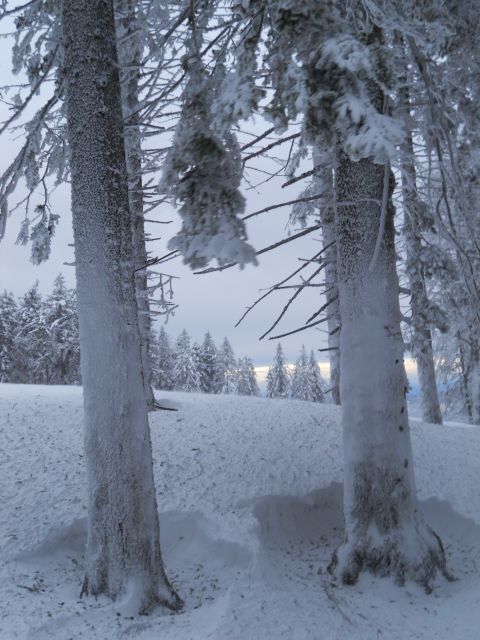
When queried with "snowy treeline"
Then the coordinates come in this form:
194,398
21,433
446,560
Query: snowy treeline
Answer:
184,365
39,344
39,336
303,383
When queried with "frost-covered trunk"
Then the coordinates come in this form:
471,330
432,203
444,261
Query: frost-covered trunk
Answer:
384,529
474,385
324,186
123,547
419,304
129,55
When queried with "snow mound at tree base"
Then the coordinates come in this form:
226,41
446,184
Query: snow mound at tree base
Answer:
251,511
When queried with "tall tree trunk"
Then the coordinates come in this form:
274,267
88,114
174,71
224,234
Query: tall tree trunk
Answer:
129,55
324,185
384,529
422,337
123,547
474,384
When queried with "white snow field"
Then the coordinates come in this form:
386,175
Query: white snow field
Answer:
250,496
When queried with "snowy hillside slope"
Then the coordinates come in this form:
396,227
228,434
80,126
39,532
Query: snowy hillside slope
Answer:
250,494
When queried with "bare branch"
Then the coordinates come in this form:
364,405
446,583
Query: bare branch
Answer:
304,328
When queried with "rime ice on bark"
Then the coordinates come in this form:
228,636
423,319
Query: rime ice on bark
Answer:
385,531
323,184
130,55
123,546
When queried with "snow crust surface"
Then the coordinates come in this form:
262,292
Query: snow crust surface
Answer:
250,494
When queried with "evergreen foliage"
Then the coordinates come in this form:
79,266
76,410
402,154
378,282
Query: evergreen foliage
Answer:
207,365
226,366
300,389
162,361
315,381
8,333
278,377
62,344
246,383
39,340
185,372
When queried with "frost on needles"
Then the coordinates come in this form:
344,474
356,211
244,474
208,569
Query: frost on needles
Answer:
202,172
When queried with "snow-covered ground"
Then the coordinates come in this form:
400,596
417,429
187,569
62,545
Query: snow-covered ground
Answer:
250,496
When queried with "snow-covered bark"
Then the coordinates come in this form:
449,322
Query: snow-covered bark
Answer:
474,385
324,186
129,57
123,548
422,337
419,304
384,529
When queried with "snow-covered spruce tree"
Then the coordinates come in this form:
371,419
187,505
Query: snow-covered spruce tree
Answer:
278,377
61,324
185,373
129,34
325,65
8,332
207,365
246,384
384,528
31,362
307,381
162,357
315,380
300,378
123,547
225,368
197,361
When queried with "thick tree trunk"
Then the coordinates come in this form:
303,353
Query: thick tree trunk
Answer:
384,529
129,55
422,337
123,548
324,185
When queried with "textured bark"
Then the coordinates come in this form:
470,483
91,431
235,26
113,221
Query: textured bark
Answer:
324,185
474,385
123,547
129,55
384,529
422,337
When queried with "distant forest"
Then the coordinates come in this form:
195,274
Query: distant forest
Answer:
40,344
